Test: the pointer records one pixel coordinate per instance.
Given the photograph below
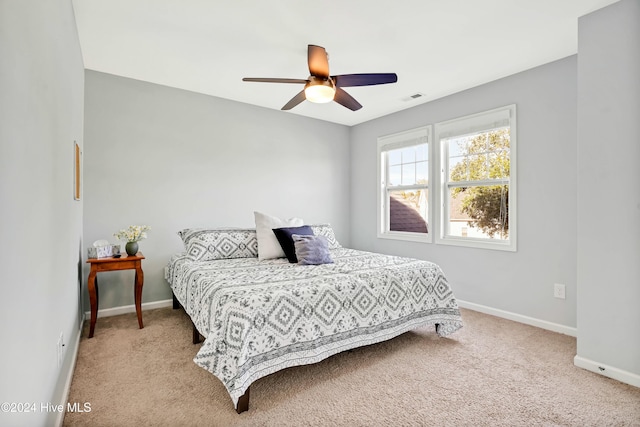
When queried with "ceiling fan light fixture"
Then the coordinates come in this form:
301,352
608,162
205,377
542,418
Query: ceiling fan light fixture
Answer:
322,87
319,91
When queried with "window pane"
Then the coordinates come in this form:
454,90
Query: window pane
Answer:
422,173
407,165
422,152
480,156
499,164
457,147
457,169
408,155
395,175
477,167
395,157
408,211
409,174
459,160
480,212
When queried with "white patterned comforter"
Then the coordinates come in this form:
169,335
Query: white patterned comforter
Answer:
259,317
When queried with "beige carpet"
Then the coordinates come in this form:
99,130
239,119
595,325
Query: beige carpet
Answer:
491,372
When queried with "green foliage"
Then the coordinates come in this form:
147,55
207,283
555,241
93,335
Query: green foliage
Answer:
488,207
484,157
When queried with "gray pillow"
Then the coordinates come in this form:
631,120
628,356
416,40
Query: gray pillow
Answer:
312,250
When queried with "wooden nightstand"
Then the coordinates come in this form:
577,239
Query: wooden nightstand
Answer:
113,264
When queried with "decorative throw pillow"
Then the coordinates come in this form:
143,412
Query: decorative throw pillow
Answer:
326,231
210,244
312,250
268,246
187,234
284,236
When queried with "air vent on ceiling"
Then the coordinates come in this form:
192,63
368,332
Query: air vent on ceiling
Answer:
413,97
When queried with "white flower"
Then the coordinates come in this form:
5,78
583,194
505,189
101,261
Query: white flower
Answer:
133,234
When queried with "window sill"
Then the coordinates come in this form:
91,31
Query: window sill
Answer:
509,246
406,236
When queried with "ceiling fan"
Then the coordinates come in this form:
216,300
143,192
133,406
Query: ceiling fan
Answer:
320,87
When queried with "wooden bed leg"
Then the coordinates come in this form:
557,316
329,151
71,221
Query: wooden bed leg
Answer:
176,303
243,402
196,334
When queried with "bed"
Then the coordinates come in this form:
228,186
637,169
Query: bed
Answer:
260,316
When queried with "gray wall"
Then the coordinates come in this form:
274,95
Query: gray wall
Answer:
609,188
173,159
41,114
520,282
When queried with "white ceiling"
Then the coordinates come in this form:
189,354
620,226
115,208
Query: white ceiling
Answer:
437,47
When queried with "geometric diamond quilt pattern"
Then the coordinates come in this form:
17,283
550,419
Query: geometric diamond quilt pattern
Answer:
223,244
327,231
259,317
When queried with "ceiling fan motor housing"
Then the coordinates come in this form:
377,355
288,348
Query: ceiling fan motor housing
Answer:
319,90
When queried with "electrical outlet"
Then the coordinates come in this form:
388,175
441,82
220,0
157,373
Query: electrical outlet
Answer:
60,349
559,290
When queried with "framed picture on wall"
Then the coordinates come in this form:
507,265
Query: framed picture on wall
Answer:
77,176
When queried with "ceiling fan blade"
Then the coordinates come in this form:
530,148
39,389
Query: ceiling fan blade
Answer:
343,98
318,61
347,80
270,80
294,101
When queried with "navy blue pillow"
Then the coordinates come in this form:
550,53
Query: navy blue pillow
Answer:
286,241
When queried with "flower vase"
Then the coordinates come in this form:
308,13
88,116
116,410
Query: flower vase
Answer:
131,248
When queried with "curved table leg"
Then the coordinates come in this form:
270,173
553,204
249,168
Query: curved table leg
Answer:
138,293
92,284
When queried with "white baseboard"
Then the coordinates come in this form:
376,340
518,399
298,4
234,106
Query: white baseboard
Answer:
607,371
543,324
115,311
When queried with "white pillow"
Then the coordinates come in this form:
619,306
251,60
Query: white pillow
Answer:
268,245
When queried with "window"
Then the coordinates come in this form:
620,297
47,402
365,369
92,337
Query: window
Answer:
403,197
477,181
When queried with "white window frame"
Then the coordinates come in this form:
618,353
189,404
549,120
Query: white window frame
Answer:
394,141
484,121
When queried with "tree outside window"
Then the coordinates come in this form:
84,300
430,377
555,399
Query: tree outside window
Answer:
481,158
478,180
